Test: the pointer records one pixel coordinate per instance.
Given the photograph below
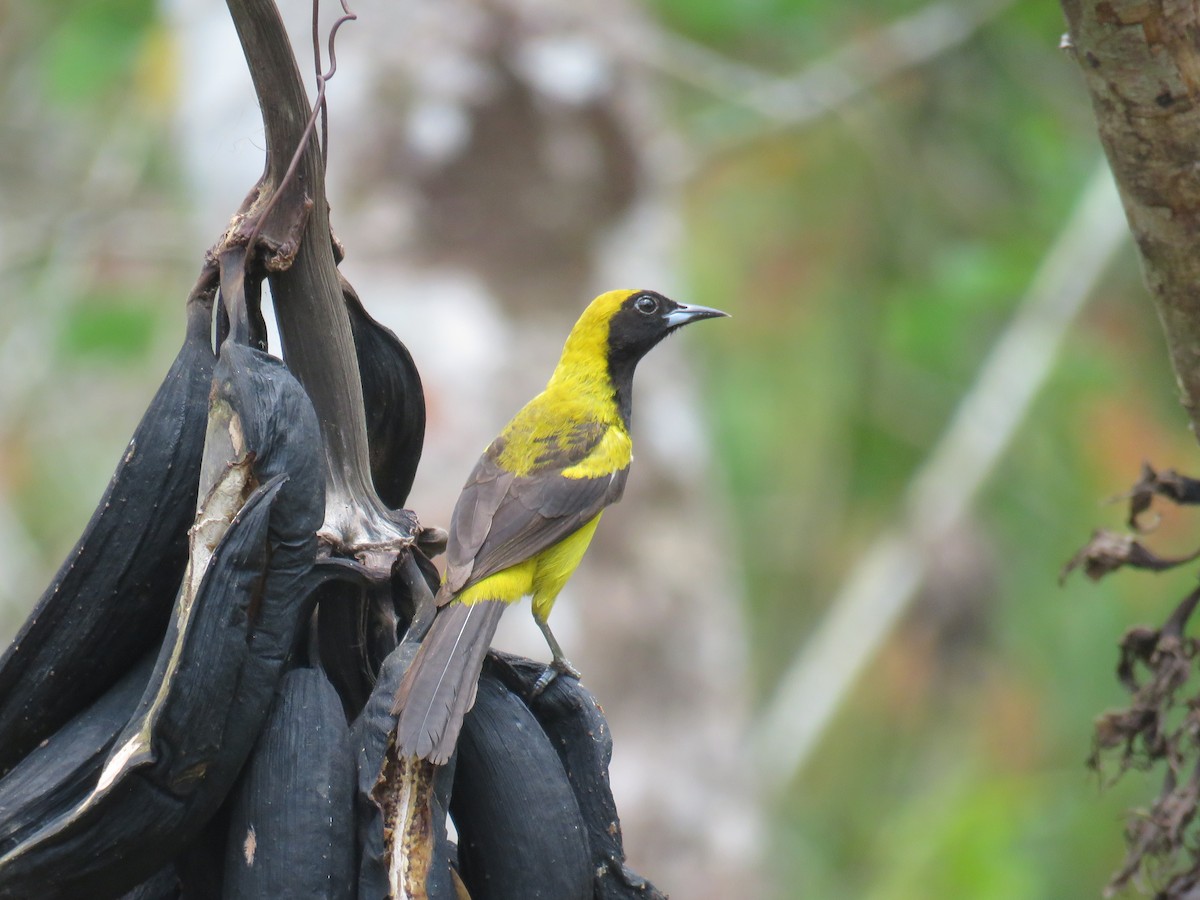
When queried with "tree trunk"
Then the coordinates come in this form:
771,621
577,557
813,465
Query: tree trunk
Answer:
1141,64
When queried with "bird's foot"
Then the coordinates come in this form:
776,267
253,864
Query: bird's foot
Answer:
560,666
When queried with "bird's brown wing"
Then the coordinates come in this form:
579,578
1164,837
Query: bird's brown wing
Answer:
502,519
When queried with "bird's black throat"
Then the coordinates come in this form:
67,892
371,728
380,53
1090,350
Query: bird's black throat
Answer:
620,375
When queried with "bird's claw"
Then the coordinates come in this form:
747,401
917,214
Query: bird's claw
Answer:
552,671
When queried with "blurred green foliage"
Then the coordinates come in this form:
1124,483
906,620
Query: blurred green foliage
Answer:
93,47
870,259
110,327
90,244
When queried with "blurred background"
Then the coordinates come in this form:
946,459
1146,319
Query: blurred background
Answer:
826,623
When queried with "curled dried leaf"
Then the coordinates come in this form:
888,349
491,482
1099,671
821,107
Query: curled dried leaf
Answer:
1108,551
1170,666
1179,489
1137,646
1158,839
1154,666
1123,727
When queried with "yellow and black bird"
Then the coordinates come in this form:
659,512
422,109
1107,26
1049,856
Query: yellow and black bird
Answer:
529,509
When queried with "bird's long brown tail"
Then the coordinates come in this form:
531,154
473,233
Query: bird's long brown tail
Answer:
439,687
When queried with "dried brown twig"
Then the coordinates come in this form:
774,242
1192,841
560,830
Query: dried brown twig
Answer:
1161,724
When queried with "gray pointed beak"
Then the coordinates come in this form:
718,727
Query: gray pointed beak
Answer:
685,314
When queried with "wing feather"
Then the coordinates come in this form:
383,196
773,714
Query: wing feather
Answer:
502,519
522,527
481,497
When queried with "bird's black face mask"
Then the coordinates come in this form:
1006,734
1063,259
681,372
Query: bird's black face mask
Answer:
643,320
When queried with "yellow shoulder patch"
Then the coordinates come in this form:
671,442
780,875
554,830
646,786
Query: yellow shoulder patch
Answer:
612,454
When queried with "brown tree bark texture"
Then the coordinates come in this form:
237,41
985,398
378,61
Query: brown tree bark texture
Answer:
1141,62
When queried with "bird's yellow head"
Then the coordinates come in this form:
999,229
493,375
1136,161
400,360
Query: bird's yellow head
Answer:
623,326
615,331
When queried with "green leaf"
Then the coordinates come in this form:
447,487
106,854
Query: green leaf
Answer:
111,329
94,48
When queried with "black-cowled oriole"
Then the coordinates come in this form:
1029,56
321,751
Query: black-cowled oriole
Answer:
530,507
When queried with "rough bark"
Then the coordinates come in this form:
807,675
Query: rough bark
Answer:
1141,63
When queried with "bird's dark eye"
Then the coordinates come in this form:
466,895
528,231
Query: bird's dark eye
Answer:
646,305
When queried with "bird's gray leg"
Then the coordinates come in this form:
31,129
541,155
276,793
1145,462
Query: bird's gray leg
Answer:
558,665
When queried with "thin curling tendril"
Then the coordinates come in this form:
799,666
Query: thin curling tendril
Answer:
323,78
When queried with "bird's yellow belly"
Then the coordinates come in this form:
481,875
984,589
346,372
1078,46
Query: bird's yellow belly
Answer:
542,575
